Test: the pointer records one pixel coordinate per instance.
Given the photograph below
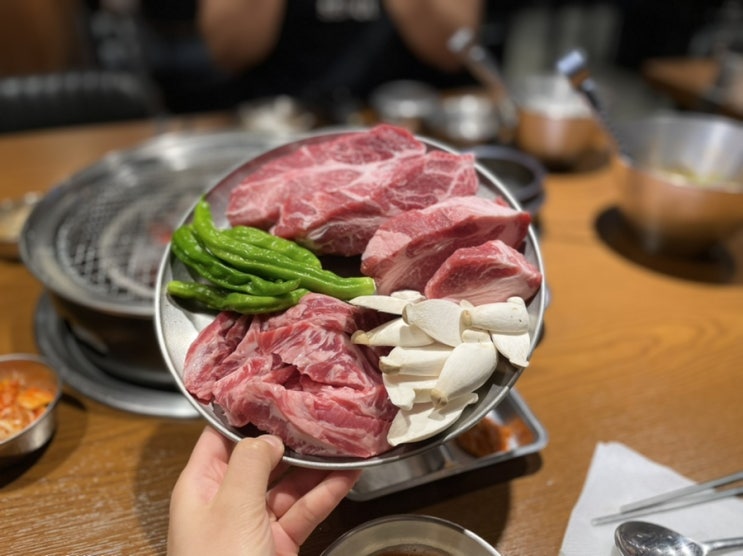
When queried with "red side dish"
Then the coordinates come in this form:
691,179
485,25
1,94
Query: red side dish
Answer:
20,404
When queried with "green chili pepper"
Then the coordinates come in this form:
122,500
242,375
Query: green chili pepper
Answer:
222,300
185,245
260,238
271,265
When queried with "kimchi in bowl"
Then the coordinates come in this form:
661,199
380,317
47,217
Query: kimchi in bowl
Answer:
178,327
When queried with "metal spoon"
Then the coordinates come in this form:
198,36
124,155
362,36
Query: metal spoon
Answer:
574,66
640,538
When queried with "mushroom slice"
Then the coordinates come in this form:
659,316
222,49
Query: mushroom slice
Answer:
425,421
392,333
439,318
411,296
381,303
418,361
406,390
468,367
514,347
507,317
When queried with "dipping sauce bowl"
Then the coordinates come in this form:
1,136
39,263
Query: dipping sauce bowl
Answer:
410,535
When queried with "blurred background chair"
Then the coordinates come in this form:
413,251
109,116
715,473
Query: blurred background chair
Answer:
74,97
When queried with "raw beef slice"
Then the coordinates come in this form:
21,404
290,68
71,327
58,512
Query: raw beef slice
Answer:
298,375
406,250
487,273
205,358
257,200
341,221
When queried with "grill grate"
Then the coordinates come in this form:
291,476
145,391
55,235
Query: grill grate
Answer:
97,239
114,239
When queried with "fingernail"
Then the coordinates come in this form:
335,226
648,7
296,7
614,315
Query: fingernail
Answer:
274,441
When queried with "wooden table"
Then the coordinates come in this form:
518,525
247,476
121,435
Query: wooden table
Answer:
651,357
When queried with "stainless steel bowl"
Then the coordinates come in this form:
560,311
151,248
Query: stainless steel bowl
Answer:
555,124
466,118
681,186
410,535
31,371
177,328
405,103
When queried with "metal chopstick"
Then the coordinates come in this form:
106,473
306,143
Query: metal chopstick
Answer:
669,505
685,491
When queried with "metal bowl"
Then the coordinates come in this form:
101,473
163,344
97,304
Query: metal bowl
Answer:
555,123
410,534
405,103
31,371
177,328
681,185
521,173
466,118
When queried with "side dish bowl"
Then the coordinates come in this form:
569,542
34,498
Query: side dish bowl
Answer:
681,188
177,328
410,534
555,124
31,389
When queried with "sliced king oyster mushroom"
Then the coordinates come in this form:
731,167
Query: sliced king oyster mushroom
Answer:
468,367
404,390
381,303
425,421
439,318
411,296
514,347
418,361
506,317
393,333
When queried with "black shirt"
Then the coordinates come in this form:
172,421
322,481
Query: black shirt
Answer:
328,48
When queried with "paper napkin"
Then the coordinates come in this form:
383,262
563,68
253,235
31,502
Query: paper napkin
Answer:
619,475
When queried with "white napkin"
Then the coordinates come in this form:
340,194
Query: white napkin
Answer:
619,475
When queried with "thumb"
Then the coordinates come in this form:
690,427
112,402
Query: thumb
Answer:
248,472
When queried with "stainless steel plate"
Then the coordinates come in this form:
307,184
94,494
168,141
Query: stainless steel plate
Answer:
177,328
449,459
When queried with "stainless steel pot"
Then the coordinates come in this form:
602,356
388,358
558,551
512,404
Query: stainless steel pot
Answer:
95,241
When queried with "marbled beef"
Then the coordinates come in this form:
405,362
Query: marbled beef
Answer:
408,249
297,375
332,196
341,220
258,199
486,273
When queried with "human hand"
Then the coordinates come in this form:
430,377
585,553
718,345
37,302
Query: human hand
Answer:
238,499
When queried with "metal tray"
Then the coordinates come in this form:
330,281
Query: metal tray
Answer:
450,459
178,327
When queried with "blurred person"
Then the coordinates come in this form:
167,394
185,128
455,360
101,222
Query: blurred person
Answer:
239,499
317,49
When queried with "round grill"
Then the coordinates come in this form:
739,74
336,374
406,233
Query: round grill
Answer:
98,238
114,244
